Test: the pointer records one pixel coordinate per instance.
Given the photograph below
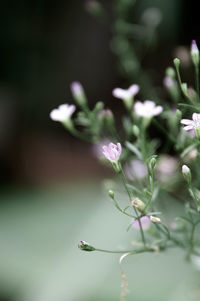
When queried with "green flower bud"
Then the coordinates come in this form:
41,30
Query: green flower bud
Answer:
84,246
138,204
136,130
170,72
176,62
111,194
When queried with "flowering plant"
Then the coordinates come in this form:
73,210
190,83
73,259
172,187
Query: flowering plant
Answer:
144,164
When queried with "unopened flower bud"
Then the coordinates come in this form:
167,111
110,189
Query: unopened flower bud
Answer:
194,53
111,194
186,173
152,163
78,93
136,130
155,219
138,204
170,72
84,246
176,62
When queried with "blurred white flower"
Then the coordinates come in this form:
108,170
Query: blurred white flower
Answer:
136,169
168,82
63,112
152,16
126,94
147,109
167,164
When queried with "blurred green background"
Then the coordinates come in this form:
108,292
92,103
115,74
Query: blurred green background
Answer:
51,193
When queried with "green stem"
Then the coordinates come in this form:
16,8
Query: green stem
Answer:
138,218
127,251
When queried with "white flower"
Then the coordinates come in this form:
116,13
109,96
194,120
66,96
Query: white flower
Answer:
136,169
63,112
112,152
192,124
126,94
147,109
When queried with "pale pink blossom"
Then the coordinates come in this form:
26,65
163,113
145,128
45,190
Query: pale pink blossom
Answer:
145,222
126,94
63,112
147,109
112,152
193,124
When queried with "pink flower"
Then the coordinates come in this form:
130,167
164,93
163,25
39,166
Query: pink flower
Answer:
145,221
193,124
147,109
126,94
112,152
63,112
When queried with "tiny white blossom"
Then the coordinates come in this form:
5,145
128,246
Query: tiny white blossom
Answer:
63,112
126,94
112,152
147,109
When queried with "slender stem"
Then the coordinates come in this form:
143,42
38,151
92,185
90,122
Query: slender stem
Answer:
121,210
129,251
138,218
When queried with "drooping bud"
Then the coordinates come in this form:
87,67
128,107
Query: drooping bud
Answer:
155,219
194,53
138,204
84,246
186,173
